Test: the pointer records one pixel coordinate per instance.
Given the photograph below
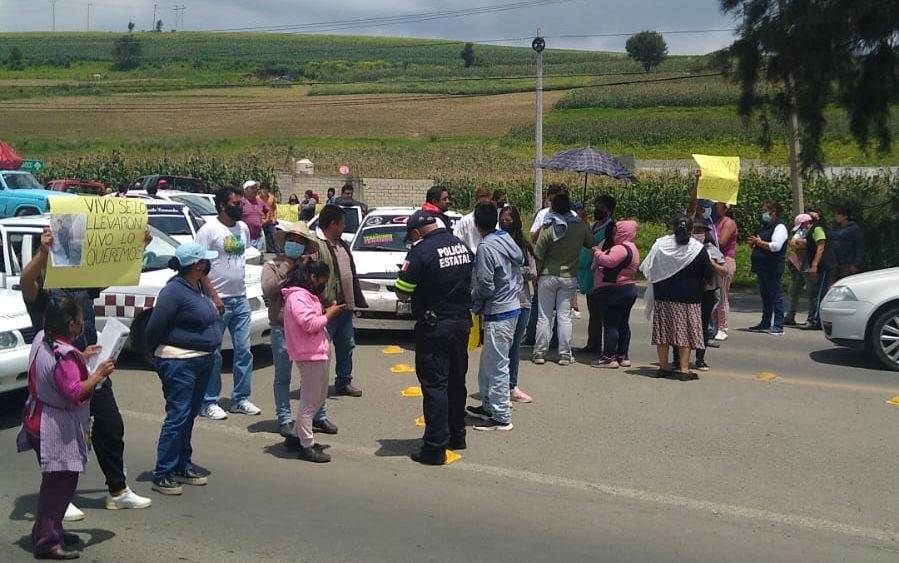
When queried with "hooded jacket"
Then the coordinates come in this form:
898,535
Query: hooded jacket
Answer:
625,233
305,326
498,280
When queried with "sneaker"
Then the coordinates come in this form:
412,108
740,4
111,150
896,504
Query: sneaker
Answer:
167,486
759,328
575,314
457,443
685,376
286,429
190,477
292,443
214,412
702,366
348,390
58,554
565,360
775,331
128,499
245,407
721,336
810,326
519,396
605,362
538,360
313,454
492,424
662,373
324,426
624,361
477,412
73,514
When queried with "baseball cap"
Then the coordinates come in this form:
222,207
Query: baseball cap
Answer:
190,253
800,219
418,220
250,184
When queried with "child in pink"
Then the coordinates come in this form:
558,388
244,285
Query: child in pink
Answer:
308,344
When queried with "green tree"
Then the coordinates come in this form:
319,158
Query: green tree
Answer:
793,58
130,26
14,60
126,53
467,55
647,47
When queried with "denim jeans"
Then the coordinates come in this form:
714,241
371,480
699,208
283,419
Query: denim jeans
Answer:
524,318
772,299
270,244
341,331
493,372
554,295
236,319
183,384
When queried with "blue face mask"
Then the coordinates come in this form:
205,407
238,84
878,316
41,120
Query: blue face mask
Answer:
766,217
293,249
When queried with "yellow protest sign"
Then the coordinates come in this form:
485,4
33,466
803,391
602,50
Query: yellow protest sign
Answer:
720,179
97,241
288,212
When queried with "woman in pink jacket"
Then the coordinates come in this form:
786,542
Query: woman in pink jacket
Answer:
615,265
305,328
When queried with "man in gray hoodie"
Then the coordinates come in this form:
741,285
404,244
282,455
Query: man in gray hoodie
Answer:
495,296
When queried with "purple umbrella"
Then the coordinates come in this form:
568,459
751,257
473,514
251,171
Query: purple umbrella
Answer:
588,161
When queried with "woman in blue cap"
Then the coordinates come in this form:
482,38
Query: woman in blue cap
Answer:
184,331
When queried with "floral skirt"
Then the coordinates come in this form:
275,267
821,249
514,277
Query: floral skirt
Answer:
677,324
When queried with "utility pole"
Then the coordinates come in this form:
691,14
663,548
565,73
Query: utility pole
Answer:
89,16
53,12
539,44
176,9
183,7
153,27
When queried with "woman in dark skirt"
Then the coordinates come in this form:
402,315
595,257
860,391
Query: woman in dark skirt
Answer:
678,267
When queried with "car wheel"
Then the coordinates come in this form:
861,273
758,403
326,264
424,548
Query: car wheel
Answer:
25,211
139,340
885,338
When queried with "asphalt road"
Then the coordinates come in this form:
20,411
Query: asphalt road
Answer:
603,466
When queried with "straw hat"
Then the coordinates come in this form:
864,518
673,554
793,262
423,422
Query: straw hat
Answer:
299,229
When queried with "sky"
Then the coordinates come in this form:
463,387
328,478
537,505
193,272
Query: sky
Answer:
569,17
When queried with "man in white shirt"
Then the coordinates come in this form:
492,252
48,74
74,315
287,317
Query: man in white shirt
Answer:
465,230
229,237
552,191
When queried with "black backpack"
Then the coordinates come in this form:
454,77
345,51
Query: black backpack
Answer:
610,275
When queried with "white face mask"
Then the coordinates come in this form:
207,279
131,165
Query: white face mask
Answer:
700,237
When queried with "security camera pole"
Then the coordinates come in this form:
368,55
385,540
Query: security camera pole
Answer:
538,45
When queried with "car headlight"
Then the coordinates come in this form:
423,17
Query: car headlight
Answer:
369,286
8,340
840,293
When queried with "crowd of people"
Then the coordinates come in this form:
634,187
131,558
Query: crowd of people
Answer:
520,286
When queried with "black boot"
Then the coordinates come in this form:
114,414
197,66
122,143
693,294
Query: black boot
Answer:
313,454
429,457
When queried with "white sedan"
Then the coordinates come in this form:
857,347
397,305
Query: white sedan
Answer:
862,312
16,335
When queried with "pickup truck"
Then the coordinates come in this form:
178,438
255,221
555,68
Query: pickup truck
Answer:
21,194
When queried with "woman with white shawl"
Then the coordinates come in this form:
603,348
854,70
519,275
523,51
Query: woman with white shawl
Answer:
677,268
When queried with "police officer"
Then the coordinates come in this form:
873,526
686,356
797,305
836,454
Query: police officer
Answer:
436,276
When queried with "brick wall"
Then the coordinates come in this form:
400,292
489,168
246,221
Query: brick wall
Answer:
376,192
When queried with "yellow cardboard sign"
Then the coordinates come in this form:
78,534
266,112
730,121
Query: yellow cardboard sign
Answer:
97,241
720,179
474,336
288,212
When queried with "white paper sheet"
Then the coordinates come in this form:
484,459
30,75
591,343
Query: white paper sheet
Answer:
111,342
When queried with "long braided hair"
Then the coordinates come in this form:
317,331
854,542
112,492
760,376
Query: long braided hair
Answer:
60,312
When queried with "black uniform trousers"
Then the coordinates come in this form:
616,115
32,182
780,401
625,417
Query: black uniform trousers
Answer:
108,436
441,362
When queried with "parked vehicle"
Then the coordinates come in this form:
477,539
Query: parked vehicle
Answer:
170,182
353,221
379,249
132,304
16,335
862,312
78,187
21,194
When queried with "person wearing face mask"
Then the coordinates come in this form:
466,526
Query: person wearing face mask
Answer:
603,208
702,233
299,246
228,236
308,344
183,332
796,265
769,246
510,222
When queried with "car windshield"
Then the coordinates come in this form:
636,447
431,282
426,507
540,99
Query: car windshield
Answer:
160,250
22,182
199,205
384,238
171,224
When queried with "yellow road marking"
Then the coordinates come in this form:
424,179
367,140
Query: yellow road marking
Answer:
420,421
412,392
809,383
766,376
392,350
894,401
402,368
452,456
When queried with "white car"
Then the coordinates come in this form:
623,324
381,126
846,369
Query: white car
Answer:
203,205
379,249
862,312
132,304
16,335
